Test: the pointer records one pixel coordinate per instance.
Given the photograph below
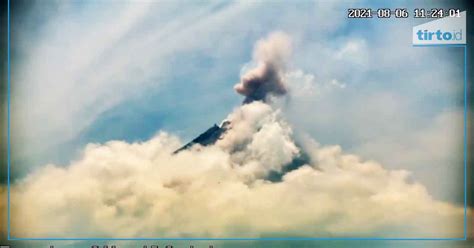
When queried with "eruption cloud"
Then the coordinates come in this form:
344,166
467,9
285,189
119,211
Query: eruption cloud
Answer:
267,78
143,189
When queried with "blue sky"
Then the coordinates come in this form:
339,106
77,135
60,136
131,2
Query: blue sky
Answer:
86,72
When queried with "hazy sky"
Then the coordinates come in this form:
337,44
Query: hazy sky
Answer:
95,71
91,72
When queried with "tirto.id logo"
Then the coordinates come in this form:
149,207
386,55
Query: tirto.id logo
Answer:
439,35
443,31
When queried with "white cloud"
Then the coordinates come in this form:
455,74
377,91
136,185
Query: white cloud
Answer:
393,92
369,118
353,51
121,189
304,85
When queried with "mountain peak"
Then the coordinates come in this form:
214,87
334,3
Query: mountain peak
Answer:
209,137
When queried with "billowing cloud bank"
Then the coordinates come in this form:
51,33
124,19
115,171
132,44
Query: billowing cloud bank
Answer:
120,189
140,189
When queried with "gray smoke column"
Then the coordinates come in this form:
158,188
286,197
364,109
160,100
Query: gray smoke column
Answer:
266,78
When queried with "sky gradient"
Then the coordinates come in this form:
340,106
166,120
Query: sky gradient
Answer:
91,72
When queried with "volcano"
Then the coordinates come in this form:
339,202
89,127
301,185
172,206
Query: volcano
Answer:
259,84
216,132
209,137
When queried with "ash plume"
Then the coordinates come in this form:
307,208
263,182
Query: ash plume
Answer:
219,185
221,190
266,78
